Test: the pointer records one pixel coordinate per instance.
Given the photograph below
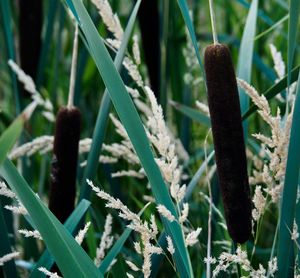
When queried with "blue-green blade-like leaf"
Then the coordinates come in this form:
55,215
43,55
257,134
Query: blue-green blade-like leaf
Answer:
9,268
289,195
51,12
292,36
244,67
135,130
192,113
260,13
102,118
69,256
10,136
9,40
71,225
274,90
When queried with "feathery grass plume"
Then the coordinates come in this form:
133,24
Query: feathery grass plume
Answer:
274,148
228,139
105,242
64,164
49,273
29,86
8,257
226,260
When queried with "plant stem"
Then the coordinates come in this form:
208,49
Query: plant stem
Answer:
208,255
213,21
73,69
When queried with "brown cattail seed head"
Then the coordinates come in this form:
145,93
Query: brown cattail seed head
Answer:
30,27
226,122
64,164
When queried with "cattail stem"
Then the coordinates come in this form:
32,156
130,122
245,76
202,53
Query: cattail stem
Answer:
73,69
213,21
225,113
208,254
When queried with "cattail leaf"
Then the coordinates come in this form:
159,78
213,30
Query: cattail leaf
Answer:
261,14
274,90
194,181
102,118
244,67
189,24
273,27
69,256
46,260
135,130
289,195
192,113
51,15
10,136
5,247
9,41
294,11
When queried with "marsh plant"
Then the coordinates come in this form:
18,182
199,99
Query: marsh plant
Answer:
149,138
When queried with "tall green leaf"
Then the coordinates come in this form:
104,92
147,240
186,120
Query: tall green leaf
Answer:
10,136
9,268
289,195
9,40
71,225
69,256
274,90
102,118
192,113
51,12
294,12
135,130
244,67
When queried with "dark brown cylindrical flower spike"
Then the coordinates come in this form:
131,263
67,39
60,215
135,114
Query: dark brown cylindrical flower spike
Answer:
30,26
64,164
149,12
226,122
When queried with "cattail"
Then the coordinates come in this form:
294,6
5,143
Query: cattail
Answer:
30,26
225,113
64,164
65,151
149,12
